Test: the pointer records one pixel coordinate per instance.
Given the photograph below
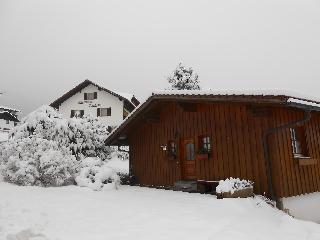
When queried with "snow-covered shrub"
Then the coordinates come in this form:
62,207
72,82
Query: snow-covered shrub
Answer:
37,161
94,173
84,137
232,184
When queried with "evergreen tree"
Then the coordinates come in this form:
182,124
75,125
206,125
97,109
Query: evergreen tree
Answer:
184,78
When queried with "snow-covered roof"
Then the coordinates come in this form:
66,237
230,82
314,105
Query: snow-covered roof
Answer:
8,116
237,92
126,97
280,96
9,109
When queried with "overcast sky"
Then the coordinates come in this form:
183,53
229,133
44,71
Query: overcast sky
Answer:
47,47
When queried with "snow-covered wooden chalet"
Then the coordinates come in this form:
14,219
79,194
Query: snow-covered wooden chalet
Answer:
176,137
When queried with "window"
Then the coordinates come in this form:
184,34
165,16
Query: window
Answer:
90,96
298,142
204,144
189,152
77,113
15,123
172,148
7,121
101,112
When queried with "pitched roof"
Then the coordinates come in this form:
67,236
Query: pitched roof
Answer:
9,109
257,97
133,102
8,116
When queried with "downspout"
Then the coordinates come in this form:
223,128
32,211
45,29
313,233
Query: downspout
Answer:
307,117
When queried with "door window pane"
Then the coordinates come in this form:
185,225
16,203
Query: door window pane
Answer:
189,151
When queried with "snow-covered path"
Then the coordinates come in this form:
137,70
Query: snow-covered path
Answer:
74,213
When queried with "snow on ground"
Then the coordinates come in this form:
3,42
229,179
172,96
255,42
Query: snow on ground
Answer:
3,136
119,165
305,207
75,213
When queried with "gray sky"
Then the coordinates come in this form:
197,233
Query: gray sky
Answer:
47,47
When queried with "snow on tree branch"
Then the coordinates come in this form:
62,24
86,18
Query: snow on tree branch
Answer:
184,78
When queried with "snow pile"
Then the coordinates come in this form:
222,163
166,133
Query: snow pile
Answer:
306,207
232,184
94,173
74,213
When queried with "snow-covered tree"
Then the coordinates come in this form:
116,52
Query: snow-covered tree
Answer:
184,78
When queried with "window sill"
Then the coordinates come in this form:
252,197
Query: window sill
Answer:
305,161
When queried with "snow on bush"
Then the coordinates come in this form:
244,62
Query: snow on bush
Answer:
232,184
84,137
94,173
44,148
37,161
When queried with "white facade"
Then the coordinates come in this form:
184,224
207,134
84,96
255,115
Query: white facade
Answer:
104,100
8,119
6,124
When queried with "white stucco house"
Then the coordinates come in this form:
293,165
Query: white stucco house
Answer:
8,119
89,98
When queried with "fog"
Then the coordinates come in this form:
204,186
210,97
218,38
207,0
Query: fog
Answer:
47,47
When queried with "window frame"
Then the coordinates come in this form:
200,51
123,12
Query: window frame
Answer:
93,96
204,144
299,143
172,148
73,111
108,112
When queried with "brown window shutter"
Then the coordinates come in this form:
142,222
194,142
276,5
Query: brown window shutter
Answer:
109,111
72,114
98,112
81,113
85,96
95,95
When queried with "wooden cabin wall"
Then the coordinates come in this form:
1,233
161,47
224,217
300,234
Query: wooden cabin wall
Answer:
292,179
237,149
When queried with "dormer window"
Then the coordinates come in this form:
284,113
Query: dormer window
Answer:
90,96
298,142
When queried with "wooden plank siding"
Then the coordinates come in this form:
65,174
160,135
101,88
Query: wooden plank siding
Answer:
237,150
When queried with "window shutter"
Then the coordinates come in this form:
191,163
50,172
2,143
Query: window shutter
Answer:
98,112
109,111
81,113
95,95
72,114
85,96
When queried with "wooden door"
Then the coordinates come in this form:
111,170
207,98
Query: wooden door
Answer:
188,159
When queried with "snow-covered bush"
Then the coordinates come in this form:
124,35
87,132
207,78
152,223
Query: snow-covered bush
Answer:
184,79
37,161
84,137
232,184
94,173
44,148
